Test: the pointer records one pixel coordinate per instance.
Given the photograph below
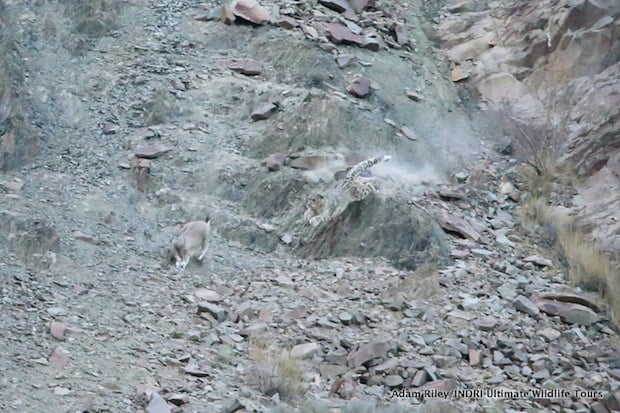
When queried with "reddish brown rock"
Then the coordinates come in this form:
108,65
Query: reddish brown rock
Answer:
250,11
457,73
57,330
360,87
339,33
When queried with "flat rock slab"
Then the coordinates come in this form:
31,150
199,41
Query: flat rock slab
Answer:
150,151
452,223
570,313
245,67
340,34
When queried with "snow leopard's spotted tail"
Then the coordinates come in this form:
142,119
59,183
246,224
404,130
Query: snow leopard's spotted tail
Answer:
363,166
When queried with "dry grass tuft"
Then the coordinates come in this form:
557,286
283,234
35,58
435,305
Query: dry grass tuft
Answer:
276,373
586,265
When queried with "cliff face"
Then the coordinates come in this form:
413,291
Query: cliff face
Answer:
556,59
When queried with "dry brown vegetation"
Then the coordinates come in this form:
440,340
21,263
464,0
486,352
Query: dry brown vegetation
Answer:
274,372
586,265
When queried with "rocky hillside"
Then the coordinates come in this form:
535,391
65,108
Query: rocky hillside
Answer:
120,120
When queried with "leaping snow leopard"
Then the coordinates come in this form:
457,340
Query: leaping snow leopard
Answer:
322,207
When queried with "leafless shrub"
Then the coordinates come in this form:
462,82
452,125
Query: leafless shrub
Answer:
586,265
275,372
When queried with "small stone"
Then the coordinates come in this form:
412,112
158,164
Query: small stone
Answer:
550,334
539,261
57,330
474,357
408,133
345,317
339,33
522,303
286,238
246,67
215,310
360,87
286,22
487,323
338,356
331,371
58,357
464,315
178,399
80,236
458,73
419,379
265,315
386,366
371,42
207,295
196,371
264,111
452,223
393,381
344,60
234,406
157,404
497,379
339,6
150,151
367,352
245,310
303,351
416,97
254,329
61,391
541,375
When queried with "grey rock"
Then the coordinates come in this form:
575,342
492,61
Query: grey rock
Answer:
522,303
215,310
539,260
157,404
367,352
306,350
419,379
393,381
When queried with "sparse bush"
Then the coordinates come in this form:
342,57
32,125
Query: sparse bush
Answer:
586,265
275,372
